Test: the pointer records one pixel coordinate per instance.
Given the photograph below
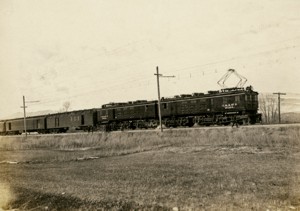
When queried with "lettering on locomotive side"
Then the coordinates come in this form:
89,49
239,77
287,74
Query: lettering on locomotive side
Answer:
229,105
104,117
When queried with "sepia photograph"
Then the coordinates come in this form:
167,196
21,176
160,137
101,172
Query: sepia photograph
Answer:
149,105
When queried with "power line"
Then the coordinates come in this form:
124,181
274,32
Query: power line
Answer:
186,68
158,90
24,109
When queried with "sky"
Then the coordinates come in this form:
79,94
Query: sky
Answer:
92,52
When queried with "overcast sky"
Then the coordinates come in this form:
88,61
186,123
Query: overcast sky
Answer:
91,52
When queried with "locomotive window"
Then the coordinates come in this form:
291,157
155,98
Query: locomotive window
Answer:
225,100
57,122
165,105
231,99
237,98
146,107
193,101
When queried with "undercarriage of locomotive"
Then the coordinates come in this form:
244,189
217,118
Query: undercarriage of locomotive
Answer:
220,119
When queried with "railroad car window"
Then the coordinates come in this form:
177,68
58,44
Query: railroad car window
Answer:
56,122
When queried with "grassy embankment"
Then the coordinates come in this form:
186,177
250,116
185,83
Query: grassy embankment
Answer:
235,168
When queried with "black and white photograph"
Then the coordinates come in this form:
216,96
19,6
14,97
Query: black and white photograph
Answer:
149,105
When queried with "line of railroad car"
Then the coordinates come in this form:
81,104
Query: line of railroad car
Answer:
214,108
52,123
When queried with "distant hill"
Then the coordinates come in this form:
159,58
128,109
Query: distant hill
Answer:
291,117
289,102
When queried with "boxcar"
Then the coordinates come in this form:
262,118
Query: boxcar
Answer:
75,120
33,124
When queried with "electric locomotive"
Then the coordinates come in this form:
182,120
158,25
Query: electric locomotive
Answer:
222,107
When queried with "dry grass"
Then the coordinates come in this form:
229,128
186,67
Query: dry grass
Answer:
212,169
118,141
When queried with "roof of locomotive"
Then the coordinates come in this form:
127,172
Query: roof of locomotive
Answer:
226,91
233,90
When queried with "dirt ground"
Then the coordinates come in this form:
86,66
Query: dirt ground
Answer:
176,177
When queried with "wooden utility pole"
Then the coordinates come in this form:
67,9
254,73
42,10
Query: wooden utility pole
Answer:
158,90
24,108
279,93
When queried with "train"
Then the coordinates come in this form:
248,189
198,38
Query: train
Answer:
221,107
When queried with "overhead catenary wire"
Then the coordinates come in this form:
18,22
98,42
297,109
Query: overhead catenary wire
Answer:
117,84
184,68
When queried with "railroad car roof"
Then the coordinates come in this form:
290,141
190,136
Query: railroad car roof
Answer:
128,104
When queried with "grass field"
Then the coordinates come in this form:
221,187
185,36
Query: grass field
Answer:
242,168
